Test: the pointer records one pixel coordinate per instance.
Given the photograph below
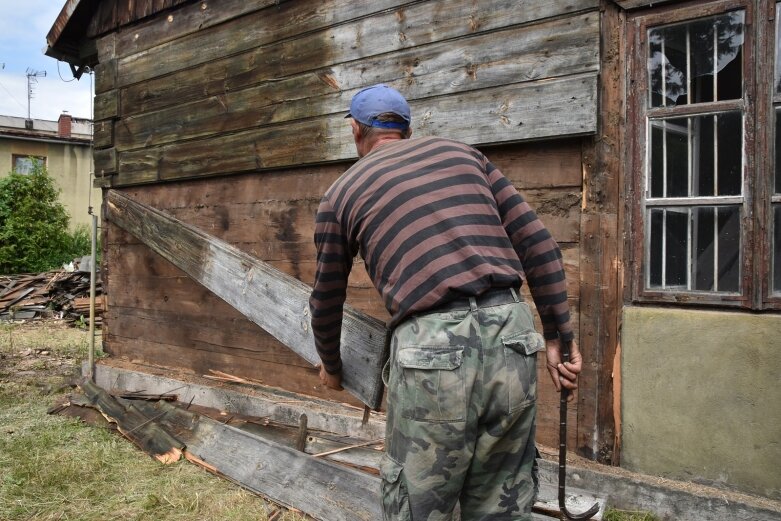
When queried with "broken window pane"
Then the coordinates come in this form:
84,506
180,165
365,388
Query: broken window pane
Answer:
689,160
695,249
696,62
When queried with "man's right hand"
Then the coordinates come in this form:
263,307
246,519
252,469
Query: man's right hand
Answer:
332,381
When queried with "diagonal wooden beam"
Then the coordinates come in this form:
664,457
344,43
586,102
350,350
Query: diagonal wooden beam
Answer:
270,298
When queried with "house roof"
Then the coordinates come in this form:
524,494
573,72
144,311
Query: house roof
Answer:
67,39
72,37
16,127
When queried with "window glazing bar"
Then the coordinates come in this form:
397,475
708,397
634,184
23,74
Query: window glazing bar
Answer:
715,249
664,249
689,252
722,200
715,155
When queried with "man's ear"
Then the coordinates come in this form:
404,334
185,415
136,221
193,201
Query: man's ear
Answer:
356,130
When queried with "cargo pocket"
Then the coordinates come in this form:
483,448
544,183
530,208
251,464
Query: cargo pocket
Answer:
395,498
433,383
520,351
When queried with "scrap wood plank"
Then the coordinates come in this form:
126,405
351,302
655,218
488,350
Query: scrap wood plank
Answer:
272,299
135,426
263,462
322,489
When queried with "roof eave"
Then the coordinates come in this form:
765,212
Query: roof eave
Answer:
67,40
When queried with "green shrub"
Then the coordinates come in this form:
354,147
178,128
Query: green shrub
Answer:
80,242
33,223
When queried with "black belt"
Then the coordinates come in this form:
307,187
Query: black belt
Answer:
494,297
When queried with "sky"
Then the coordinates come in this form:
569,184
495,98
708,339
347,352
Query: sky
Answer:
24,25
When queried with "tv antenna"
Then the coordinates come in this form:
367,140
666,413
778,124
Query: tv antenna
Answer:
32,80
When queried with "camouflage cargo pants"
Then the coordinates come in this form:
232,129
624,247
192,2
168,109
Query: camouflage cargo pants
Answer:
460,426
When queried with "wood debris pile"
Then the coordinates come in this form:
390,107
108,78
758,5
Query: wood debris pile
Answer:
60,294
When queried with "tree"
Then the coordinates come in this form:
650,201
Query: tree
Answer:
33,223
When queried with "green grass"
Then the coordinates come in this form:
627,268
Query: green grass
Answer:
624,515
57,468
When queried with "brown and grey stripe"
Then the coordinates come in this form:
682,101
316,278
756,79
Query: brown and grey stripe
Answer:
434,221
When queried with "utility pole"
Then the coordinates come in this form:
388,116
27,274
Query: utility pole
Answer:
32,79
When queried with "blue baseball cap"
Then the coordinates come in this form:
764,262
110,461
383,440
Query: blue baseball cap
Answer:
378,99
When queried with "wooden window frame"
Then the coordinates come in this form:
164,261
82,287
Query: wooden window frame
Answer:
14,157
757,107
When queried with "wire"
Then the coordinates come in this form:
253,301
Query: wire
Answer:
12,96
60,74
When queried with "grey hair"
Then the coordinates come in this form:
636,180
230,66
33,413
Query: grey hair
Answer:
368,131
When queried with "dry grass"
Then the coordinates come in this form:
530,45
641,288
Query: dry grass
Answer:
57,468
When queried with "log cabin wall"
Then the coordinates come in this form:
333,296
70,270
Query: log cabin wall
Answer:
229,115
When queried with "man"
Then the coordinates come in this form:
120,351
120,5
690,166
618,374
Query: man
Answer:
447,241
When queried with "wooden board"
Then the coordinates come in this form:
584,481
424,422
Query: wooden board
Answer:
276,404
511,113
236,87
200,362
148,436
388,31
420,72
275,301
602,262
317,486
635,4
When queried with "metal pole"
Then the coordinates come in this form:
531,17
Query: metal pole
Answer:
92,277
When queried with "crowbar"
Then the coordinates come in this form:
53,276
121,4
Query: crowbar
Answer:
566,514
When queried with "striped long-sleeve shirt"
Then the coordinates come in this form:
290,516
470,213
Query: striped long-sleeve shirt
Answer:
434,221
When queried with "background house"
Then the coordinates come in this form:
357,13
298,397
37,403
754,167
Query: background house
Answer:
64,147
646,134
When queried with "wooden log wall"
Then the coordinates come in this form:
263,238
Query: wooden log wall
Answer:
158,315
258,89
203,89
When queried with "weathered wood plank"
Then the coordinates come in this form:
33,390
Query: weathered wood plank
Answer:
107,105
320,488
107,48
149,437
555,164
601,285
105,76
434,70
197,17
104,19
102,182
282,230
518,112
103,133
276,404
634,4
291,378
105,161
276,302
205,332
391,30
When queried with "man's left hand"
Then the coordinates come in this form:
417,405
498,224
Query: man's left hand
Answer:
332,381
563,375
